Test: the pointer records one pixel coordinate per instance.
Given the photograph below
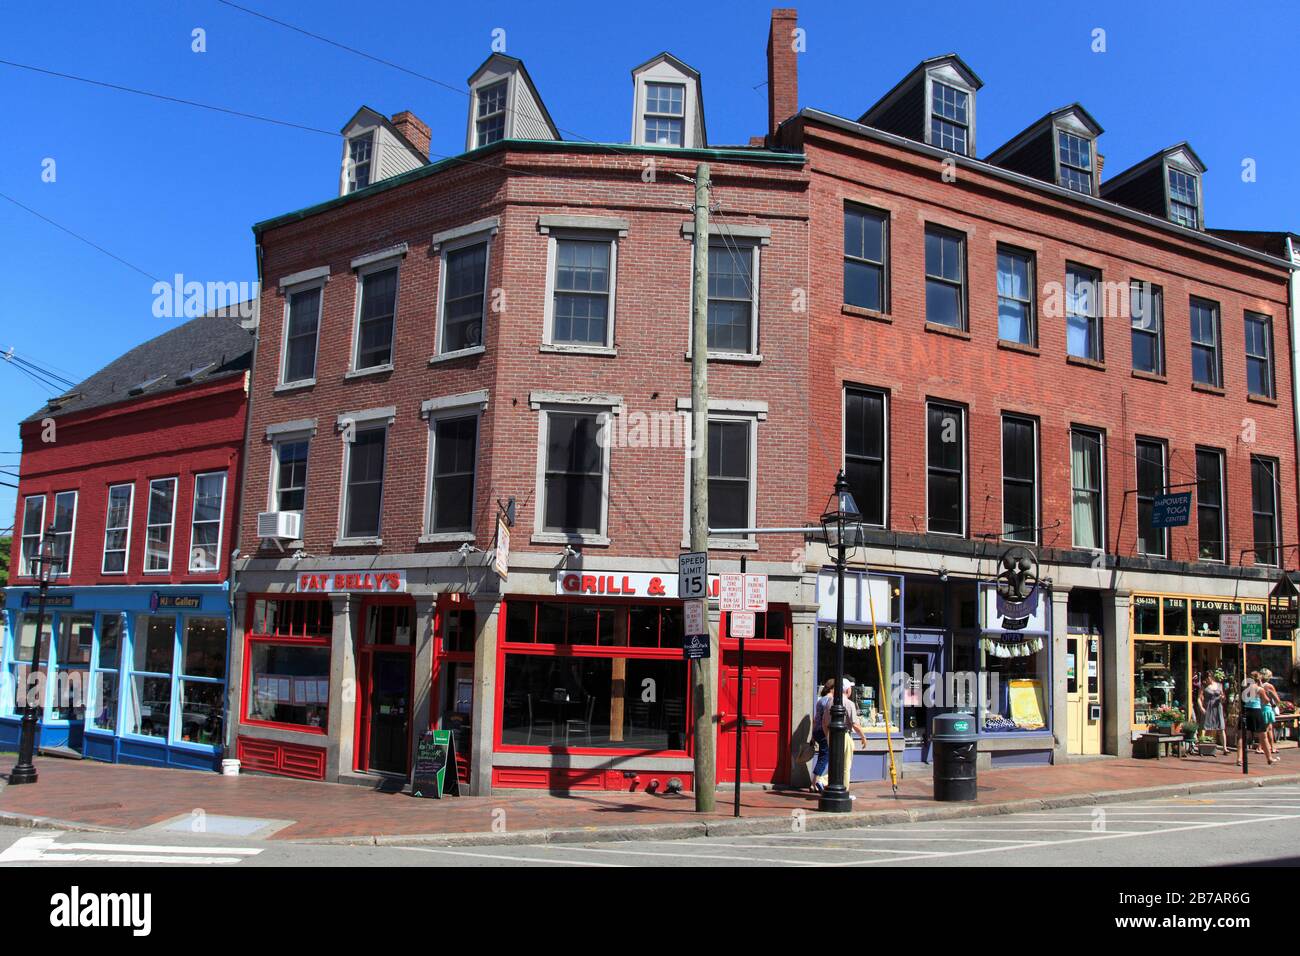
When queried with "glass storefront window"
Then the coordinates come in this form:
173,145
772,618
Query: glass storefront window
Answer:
1175,617
106,682
76,637
1146,615
155,643
1205,616
104,715
923,603
872,691
460,627
149,706
1277,659
289,684
1159,678
71,678
293,617
203,649
389,625
202,706
27,637
1016,685
110,641
625,703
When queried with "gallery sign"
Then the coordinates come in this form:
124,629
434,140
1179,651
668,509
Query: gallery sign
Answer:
364,582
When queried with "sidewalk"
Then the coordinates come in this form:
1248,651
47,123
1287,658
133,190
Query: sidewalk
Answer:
84,794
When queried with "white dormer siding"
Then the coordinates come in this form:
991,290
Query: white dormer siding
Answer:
504,104
373,151
667,105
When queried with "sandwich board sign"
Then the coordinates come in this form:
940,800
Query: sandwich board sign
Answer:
435,754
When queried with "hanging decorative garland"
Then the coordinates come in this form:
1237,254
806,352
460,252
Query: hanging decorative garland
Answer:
1000,647
859,640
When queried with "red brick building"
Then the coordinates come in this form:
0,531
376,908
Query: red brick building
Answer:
134,472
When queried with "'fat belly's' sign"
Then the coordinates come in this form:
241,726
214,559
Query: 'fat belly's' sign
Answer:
366,582
634,584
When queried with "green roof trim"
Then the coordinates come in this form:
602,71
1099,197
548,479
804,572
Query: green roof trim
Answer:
721,154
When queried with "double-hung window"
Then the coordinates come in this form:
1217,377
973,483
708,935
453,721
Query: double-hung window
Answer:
866,246
290,485
945,277
865,450
731,485
1087,480
582,292
364,488
117,528
1183,205
1209,505
1074,159
1259,354
1083,313
1019,478
490,121
574,471
376,312
945,469
1147,317
207,520
733,296
33,529
1016,319
464,297
360,150
1150,483
301,332
65,523
664,113
949,117
1264,509
158,525
1207,368
454,445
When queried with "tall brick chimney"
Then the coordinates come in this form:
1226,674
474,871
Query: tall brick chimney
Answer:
410,126
782,69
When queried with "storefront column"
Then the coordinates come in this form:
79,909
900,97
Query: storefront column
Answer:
344,690
1117,671
423,707
1060,710
803,686
235,675
483,729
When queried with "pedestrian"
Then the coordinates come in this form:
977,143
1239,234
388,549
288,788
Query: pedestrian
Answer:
1252,702
1272,704
852,722
819,739
1210,701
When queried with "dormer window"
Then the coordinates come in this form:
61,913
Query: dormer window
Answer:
1074,158
360,149
665,108
490,125
1184,208
949,121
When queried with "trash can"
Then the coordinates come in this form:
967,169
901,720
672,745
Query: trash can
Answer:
953,739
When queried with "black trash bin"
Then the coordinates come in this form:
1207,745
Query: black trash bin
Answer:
954,741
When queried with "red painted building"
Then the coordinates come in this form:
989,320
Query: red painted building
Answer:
135,473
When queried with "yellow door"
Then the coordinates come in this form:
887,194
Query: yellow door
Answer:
1083,693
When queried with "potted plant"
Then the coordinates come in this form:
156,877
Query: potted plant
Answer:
1167,720
1207,746
1191,729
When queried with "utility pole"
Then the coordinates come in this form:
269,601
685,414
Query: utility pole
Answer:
702,669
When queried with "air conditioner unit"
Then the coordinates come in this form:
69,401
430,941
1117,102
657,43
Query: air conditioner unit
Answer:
280,525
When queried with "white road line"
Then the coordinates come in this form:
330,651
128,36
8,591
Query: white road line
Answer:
502,856
46,849
686,856
233,850
49,857
1093,838
903,839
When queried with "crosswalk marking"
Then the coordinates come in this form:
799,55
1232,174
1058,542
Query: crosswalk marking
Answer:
47,849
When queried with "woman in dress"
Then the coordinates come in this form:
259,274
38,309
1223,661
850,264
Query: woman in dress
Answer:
1210,701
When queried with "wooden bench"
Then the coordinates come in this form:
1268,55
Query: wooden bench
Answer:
1150,745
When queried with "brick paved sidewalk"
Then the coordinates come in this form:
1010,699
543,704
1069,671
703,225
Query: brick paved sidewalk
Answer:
124,797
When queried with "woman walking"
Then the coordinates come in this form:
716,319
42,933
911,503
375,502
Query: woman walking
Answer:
852,722
1252,702
1210,701
1272,705
819,736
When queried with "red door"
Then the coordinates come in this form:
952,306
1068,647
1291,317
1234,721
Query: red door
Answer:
763,744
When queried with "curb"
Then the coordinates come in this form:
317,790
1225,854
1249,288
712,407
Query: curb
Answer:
768,825
26,822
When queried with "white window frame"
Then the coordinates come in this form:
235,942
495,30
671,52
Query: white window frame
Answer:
366,420
647,114
1273,465
552,258
71,532
844,435
24,569
505,112
1164,486
1100,436
221,520
273,486
742,410
965,467
754,236
604,407
371,134
289,292
1038,474
130,518
393,262
171,538
469,404
454,241
1220,456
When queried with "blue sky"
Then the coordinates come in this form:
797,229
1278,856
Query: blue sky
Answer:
172,188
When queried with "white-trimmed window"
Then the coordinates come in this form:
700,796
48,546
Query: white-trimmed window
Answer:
945,468
580,293
1020,478
117,528
33,528
1184,198
949,117
65,526
1265,514
490,114
302,309
289,473
866,452
1151,482
462,306
1259,354
733,462
360,153
365,446
453,451
160,520
376,315
573,465
1088,488
207,521
665,112
733,296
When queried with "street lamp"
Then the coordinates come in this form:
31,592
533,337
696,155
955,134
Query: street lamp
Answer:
24,770
842,524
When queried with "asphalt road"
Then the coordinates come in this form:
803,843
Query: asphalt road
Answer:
1258,825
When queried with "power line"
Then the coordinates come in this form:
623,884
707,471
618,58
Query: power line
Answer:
78,236
12,356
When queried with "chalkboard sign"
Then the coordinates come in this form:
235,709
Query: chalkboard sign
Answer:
435,753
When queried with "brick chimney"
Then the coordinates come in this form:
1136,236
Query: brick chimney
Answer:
782,69
410,126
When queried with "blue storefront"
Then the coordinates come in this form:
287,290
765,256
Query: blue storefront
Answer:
127,674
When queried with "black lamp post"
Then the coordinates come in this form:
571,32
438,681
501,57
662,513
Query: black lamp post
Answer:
843,527
24,770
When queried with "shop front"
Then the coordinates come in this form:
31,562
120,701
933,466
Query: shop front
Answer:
123,674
